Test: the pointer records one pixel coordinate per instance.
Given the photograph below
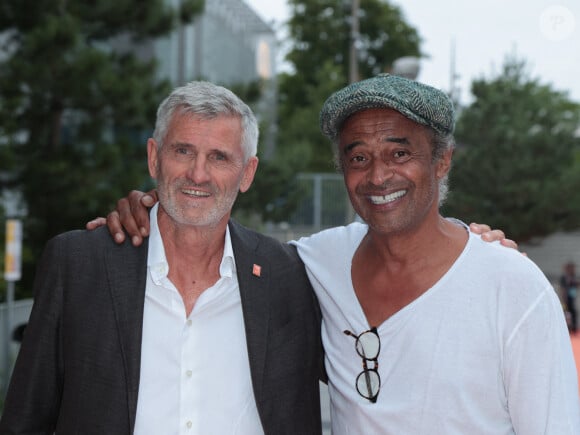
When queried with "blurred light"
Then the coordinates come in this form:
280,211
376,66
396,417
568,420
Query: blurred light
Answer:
407,66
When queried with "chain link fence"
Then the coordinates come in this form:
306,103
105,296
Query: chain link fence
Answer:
324,204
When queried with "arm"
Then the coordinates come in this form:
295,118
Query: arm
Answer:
539,372
33,400
132,215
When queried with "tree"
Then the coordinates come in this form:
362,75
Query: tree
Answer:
517,166
320,31
274,194
75,110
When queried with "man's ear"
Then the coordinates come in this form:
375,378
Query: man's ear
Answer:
444,163
249,173
152,157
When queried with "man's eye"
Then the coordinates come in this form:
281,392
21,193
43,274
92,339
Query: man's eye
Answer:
182,154
401,156
356,161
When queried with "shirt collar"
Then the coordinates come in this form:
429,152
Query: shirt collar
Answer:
157,262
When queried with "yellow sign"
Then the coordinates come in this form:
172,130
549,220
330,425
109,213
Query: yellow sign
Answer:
12,259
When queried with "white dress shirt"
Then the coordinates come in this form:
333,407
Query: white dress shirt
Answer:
195,375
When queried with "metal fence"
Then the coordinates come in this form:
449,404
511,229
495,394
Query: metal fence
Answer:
323,204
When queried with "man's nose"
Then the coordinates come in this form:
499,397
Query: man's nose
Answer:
199,171
380,171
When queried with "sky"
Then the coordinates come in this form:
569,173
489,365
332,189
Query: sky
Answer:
483,33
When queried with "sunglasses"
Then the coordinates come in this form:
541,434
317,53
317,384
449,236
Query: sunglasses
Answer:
368,346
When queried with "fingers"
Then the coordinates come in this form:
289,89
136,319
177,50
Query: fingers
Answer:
96,223
147,200
132,216
122,218
509,243
486,232
479,228
490,235
115,228
493,235
150,198
138,213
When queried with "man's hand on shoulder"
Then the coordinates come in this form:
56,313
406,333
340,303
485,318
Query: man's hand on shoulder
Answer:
131,214
490,235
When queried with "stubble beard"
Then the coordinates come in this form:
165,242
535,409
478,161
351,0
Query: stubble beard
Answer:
397,221
192,213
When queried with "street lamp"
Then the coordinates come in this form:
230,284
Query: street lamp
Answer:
407,66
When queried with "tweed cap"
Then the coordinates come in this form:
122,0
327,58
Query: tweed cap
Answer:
418,102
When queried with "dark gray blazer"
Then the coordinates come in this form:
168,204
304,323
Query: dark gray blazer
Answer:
78,368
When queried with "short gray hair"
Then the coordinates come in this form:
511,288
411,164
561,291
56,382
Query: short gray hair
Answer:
208,101
442,142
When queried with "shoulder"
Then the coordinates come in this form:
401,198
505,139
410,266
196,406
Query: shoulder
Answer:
501,260
81,243
506,275
507,286
333,238
99,236
253,241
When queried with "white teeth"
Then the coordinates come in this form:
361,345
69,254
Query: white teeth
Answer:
387,198
193,192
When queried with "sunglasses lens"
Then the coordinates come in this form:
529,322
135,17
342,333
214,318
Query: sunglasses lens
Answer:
368,384
368,345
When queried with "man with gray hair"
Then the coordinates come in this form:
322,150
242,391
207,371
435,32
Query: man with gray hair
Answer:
455,336
206,328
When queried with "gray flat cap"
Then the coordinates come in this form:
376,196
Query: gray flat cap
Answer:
418,102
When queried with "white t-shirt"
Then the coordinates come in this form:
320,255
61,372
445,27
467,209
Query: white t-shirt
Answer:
484,351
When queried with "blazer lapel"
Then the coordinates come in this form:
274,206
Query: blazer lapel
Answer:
127,269
253,272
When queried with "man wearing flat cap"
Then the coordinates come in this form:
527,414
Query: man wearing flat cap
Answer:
427,329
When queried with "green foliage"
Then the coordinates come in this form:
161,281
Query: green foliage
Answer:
273,194
321,32
517,165
300,132
76,112
321,38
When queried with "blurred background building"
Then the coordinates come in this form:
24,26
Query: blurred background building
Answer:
228,44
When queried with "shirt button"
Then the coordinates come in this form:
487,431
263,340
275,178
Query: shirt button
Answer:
189,322
189,373
189,424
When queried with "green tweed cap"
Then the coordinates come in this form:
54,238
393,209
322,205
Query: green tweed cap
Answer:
419,102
